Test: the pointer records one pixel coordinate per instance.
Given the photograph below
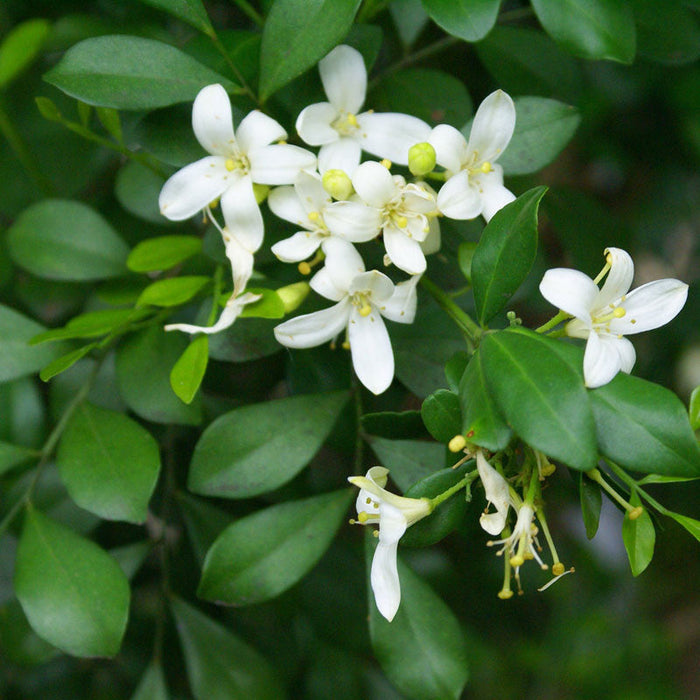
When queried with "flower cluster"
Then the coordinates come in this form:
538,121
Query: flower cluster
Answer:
338,201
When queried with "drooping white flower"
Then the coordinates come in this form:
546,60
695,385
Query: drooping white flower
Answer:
497,494
237,161
474,181
231,312
362,299
394,514
386,203
522,544
341,132
604,316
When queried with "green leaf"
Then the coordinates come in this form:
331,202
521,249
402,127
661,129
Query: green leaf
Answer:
255,449
591,503
204,523
668,33
591,29
188,372
269,306
152,684
639,537
60,239
190,11
644,427
262,555
172,291
144,363
470,20
482,422
441,414
137,188
129,72
540,395
61,364
19,643
12,456
410,19
505,253
74,595
163,253
455,368
395,425
422,650
17,357
110,120
542,128
298,34
465,256
658,479
408,461
690,524
92,324
20,47
694,409
109,463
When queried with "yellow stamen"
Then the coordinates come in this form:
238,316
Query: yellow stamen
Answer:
230,164
314,216
365,309
352,119
457,443
558,569
486,167
346,345
635,513
362,517
304,268
386,163
619,312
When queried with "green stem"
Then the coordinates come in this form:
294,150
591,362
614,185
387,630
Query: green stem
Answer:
250,12
595,475
437,500
623,476
468,326
555,321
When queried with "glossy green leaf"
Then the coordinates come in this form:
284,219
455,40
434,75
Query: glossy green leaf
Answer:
137,188
12,456
297,35
644,427
92,324
408,461
172,291
131,557
470,20
540,395
482,422
694,409
219,665
204,522
465,256
130,72
109,463
20,47
74,595
152,684
447,516
505,253
542,128
591,503
19,644
667,33
410,19
404,425
422,650
144,363
455,367
270,305
441,414
61,239
162,253
257,448
690,524
262,555
110,120
188,372
639,537
17,357
190,11
64,362
592,29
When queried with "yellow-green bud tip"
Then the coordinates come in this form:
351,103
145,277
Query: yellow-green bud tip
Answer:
337,184
421,159
386,163
558,569
293,295
260,192
457,443
304,268
635,512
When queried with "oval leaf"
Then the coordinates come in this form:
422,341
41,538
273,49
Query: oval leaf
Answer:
130,72
162,253
470,20
13,455
20,47
255,449
639,537
408,461
262,555
74,594
64,240
172,291
441,415
190,11
109,463
188,372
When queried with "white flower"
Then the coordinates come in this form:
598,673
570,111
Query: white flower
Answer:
522,544
604,316
497,494
341,132
475,184
237,160
363,298
393,514
401,211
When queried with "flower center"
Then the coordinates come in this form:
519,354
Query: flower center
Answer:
361,301
346,124
237,161
604,318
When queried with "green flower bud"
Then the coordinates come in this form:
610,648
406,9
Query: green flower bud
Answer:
421,159
48,109
293,295
337,184
260,192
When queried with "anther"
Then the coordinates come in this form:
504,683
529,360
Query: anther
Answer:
230,164
619,312
486,167
457,443
365,309
314,216
304,268
635,513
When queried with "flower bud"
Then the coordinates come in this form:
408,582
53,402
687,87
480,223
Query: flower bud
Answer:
421,159
293,295
48,109
260,192
337,184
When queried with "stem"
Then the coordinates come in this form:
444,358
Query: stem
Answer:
359,442
471,476
217,293
250,12
237,73
461,318
623,476
555,321
547,535
595,475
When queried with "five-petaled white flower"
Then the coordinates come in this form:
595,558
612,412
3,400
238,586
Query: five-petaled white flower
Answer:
341,132
363,298
393,514
604,316
474,182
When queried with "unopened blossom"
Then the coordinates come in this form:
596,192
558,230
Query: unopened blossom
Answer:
363,298
394,514
339,127
236,161
604,316
474,180
386,204
497,494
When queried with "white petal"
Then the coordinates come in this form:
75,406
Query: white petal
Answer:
493,127
384,578
372,356
374,184
343,262
432,241
322,283
314,124
241,265
450,147
618,280
458,198
374,283
314,329
418,198
285,203
628,356
403,251
212,121
378,475
228,316
354,221
300,246
401,307
601,360
571,291
390,135
242,214
497,494
310,190
344,78
494,195
344,154
257,130
279,164
652,305
193,187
